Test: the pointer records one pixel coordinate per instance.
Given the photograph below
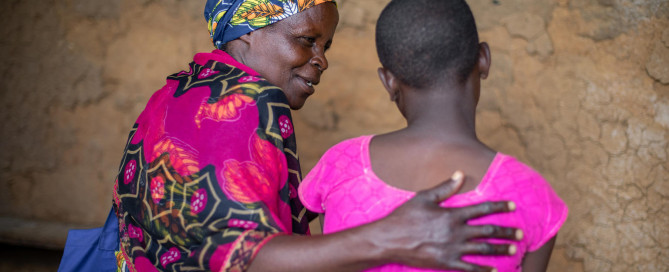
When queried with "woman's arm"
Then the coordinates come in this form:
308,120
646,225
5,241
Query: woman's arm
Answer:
401,237
538,260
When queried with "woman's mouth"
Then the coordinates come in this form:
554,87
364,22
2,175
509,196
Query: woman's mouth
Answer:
308,85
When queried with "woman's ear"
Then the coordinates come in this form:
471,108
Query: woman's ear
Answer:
246,38
484,60
390,82
239,47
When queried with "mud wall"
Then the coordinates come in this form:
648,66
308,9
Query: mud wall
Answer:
579,89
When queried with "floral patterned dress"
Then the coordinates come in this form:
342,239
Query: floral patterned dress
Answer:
209,173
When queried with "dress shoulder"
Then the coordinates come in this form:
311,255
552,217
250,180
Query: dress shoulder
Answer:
543,211
341,162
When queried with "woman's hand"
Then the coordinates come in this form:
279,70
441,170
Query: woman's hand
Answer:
421,233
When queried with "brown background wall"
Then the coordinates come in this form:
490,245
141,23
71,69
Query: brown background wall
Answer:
579,89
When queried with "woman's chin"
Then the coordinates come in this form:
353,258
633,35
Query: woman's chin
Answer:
296,105
297,102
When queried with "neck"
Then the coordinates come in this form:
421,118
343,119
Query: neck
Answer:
235,49
446,111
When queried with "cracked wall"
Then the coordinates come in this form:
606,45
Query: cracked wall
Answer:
579,89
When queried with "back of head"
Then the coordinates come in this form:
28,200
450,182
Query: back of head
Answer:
422,41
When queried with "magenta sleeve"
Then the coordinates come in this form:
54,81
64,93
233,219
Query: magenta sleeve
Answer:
311,191
550,212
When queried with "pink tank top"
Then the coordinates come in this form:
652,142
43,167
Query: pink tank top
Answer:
344,187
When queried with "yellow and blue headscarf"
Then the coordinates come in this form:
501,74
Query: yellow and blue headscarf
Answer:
230,19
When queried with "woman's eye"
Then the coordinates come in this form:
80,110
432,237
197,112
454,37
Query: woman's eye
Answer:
310,40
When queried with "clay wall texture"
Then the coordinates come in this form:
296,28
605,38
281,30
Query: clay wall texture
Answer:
579,89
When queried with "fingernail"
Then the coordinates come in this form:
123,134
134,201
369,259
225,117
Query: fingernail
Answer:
519,235
512,206
457,176
493,270
512,250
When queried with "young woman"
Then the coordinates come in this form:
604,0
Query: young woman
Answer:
433,64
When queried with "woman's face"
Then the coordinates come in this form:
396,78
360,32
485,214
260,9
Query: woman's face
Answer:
291,53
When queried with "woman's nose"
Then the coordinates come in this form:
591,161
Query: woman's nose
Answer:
320,61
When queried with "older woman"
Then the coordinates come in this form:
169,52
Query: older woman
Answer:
210,171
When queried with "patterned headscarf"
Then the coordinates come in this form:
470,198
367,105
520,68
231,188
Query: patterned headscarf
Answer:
230,19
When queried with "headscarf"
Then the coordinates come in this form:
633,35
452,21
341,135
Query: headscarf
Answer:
230,19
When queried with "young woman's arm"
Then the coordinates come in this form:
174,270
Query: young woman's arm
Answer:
538,260
401,237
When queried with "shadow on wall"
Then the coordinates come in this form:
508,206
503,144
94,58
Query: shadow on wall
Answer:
22,259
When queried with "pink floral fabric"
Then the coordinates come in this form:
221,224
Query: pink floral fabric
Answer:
207,171
344,187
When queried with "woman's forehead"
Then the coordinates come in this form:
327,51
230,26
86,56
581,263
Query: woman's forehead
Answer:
313,20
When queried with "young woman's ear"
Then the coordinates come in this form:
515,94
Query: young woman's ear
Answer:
484,60
390,82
